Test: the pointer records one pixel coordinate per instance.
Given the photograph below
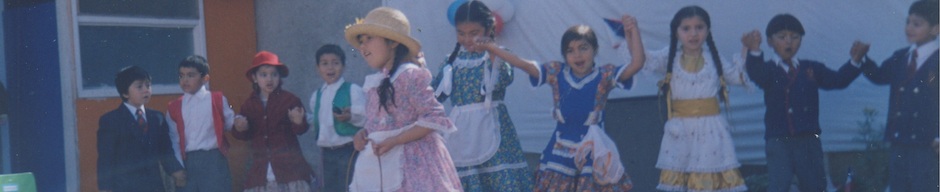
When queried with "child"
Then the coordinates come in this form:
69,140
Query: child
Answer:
273,119
338,111
579,156
485,147
791,93
401,148
912,112
197,123
697,151
133,140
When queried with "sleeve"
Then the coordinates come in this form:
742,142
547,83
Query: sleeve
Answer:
829,79
656,61
882,75
625,84
543,73
735,72
358,108
174,137
228,115
303,126
167,157
758,70
430,112
247,134
106,142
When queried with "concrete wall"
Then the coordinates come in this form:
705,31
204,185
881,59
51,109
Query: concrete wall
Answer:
294,30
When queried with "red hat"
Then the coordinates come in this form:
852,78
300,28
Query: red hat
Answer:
266,58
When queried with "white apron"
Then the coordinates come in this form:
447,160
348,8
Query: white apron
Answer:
607,166
379,174
477,137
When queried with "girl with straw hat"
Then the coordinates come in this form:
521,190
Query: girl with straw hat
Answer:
399,149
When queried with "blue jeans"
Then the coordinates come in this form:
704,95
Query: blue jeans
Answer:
913,168
799,156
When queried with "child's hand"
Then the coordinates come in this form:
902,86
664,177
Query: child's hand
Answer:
485,43
751,40
384,146
241,124
360,140
859,50
629,24
180,177
344,116
296,115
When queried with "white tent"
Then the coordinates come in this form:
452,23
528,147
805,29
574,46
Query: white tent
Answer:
535,30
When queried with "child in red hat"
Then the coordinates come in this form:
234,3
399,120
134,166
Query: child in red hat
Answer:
274,119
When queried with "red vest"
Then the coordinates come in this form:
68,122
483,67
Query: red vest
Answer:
176,113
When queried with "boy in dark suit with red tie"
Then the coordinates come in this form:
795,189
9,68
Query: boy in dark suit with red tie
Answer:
133,141
913,125
791,93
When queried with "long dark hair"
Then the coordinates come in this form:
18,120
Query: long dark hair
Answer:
477,12
685,13
386,90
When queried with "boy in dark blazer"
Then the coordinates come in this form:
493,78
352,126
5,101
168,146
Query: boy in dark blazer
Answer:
791,94
913,123
133,141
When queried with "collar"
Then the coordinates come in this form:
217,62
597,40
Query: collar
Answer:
373,80
579,83
335,85
779,61
200,94
133,109
926,49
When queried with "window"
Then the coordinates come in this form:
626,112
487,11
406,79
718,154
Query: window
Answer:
154,35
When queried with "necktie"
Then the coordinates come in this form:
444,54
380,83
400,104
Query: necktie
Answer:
141,122
792,70
912,67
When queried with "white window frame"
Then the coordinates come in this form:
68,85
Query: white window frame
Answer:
199,45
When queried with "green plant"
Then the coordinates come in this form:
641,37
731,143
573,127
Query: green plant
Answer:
870,166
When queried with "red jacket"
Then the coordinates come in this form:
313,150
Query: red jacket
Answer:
273,139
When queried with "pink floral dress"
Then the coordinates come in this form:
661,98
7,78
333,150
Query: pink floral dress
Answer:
426,164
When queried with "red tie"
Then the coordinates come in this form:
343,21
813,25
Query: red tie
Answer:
141,122
792,70
912,67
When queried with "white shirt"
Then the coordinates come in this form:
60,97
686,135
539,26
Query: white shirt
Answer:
924,52
133,110
328,136
198,121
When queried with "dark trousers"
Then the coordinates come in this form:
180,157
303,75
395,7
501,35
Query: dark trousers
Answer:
337,167
206,171
795,156
913,168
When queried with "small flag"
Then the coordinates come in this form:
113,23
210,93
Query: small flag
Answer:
616,26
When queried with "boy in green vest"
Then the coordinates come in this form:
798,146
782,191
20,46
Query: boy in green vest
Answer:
338,109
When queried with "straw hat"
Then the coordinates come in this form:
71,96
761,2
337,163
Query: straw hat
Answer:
266,58
388,23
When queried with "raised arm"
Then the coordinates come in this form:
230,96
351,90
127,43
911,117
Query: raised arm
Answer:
635,44
529,66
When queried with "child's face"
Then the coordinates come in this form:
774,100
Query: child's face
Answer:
377,51
138,93
330,68
580,56
268,78
919,30
467,33
692,32
785,43
191,80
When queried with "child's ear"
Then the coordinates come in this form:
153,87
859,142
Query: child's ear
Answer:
935,30
205,77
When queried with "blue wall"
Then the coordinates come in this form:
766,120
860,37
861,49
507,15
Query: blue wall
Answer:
32,61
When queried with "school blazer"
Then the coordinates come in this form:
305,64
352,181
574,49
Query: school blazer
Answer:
128,158
912,104
793,102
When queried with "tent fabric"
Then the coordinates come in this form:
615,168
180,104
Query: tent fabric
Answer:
535,29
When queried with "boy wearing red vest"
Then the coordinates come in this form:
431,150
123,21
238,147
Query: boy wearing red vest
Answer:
198,121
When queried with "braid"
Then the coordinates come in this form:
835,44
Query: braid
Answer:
715,56
386,90
453,55
673,44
